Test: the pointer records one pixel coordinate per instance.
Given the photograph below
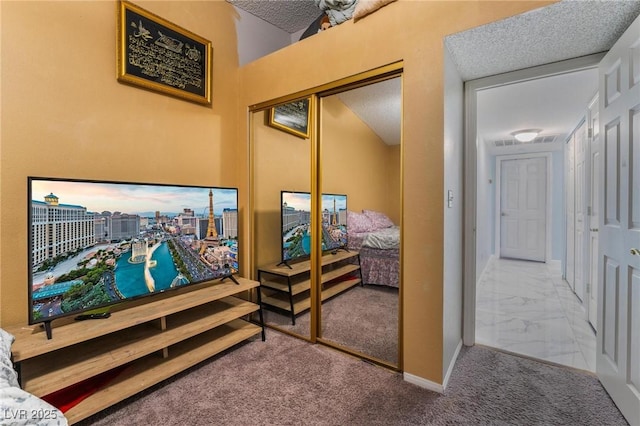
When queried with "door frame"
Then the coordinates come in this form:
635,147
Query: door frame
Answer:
547,224
471,89
593,129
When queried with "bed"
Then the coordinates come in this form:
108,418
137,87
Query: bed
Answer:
377,239
18,407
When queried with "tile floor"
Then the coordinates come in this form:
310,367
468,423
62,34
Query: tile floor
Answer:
528,308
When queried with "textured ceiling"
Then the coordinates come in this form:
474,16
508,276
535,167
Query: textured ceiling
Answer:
379,106
288,15
569,29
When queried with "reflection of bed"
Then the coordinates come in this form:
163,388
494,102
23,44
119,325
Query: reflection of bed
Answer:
377,239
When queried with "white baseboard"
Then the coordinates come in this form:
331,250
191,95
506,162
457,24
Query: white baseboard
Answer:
451,365
423,383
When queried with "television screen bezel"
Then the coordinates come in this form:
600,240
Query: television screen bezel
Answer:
307,256
104,306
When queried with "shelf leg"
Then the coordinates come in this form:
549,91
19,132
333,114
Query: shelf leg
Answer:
293,314
264,336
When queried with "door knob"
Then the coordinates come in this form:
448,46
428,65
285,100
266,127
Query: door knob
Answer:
503,214
635,252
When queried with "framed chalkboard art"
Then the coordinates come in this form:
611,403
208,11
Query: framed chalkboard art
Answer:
292,117
158,55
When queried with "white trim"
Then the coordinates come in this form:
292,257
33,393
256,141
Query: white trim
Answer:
470,173
447,376
555,265
470,215
491,259
547,225
423,383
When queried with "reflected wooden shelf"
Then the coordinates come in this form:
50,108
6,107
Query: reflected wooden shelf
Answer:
287,288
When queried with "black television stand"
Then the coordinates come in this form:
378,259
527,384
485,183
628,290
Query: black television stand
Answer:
285,263
231,277
47,329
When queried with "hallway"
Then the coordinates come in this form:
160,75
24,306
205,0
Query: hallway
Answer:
527,308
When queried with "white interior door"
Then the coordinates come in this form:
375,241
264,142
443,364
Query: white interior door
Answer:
523,204
570,211
594,213
580,143
618,340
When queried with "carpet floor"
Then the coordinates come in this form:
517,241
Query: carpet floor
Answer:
363,318
288,381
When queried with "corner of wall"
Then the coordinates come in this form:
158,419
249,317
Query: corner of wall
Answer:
423,383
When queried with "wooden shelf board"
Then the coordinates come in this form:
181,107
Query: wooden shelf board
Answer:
148,371
301,305
62,368
339,288
281,300
31,341
278,301
338,272
296,288
298,268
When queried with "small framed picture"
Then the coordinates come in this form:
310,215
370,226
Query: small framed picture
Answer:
292,117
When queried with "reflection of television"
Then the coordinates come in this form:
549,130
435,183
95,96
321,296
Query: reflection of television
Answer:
97,243
296,224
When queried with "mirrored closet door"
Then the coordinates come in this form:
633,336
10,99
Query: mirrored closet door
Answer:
360,169
281,209
326,210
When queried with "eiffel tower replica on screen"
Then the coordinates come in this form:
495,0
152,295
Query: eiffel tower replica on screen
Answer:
212,239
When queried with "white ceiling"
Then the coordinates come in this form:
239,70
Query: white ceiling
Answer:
288,15
378,105
553,104
564,30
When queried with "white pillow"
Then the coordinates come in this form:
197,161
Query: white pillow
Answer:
365,7
8,376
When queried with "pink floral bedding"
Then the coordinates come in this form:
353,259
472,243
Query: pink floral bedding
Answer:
378,266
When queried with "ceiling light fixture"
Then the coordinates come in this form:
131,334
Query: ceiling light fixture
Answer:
526,135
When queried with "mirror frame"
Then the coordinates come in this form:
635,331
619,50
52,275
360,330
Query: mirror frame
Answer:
314,94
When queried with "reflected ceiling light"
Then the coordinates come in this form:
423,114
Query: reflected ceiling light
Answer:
526,135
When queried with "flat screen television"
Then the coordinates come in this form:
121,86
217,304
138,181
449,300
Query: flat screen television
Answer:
97,243
296,224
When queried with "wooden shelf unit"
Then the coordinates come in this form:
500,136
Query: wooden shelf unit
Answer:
287,287
152,341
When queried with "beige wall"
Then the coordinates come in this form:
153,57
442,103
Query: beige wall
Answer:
64,114
411,31
281,162
356,162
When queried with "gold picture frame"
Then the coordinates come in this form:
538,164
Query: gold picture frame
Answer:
158,55
292,117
